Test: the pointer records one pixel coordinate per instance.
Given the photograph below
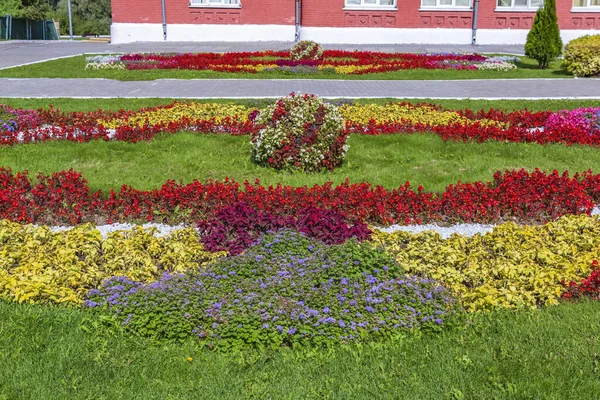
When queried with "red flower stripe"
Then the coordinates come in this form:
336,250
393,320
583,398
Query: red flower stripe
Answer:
65,198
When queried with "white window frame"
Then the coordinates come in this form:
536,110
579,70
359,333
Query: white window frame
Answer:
366,6
587,8
446,7
513,8
216,3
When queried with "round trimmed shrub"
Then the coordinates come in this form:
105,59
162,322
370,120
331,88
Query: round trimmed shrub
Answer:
300,132
306,50
582,56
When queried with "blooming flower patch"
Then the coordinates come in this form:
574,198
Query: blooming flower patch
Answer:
578,126
308,55
65,198
285,290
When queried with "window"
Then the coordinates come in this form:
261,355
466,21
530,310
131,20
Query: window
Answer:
215,3
527,5
445,3
586,4
371,4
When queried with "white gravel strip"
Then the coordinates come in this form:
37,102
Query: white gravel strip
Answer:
444,231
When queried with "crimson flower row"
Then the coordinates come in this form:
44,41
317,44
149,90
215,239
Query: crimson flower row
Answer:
65,198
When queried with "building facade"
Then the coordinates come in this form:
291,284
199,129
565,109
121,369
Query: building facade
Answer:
345,21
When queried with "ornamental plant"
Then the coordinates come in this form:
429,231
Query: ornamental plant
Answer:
543,40
582,56
286,290
236,227
306,50
589,287
300,132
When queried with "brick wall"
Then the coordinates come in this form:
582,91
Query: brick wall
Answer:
263,12
331,13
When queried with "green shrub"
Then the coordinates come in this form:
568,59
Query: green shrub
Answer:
582,56
543,40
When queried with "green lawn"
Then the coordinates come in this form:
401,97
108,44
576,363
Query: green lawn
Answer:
67,104
553,353
74,67
382,160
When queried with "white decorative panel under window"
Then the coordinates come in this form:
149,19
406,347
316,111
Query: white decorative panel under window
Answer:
215,3
371,3
445,3
520,3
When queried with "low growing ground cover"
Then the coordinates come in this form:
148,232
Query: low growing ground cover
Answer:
295,289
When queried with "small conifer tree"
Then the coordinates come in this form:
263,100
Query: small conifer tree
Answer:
543,40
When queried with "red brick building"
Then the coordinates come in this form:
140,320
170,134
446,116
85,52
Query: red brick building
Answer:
345,21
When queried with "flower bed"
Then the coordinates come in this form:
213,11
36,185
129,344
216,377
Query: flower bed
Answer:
580,126
65,198
328,61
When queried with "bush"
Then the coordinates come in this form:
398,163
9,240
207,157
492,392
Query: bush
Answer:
285,290
306,50
300,132
543,40
582,56
511,267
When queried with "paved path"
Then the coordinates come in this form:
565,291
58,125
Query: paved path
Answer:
22,52
251,88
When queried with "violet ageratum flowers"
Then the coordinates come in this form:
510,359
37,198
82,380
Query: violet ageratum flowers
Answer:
285,290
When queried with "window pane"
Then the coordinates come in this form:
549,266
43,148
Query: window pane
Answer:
386,2
537,3
579,3
595,3
504,3
520,3
371,2
428,3
463,3
445,2
352,2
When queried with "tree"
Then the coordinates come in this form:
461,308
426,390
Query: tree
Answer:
543,40
37,10
89,16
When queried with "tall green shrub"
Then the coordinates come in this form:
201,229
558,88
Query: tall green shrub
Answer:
543,40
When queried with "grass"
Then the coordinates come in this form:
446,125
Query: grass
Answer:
74,67
67,104
382,160
553,353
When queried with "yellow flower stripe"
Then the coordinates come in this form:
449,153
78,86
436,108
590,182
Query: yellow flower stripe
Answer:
511,267
357,114
194,111
41,266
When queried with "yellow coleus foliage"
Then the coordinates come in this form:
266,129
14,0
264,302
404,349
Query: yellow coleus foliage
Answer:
363,114
511,267
345,69
41,266
179,111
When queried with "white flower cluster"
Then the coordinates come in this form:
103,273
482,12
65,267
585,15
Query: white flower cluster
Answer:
496,66
289,125
104,62
303,50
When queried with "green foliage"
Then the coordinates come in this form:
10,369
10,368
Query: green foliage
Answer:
36,10
582,56
543,40
89,16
